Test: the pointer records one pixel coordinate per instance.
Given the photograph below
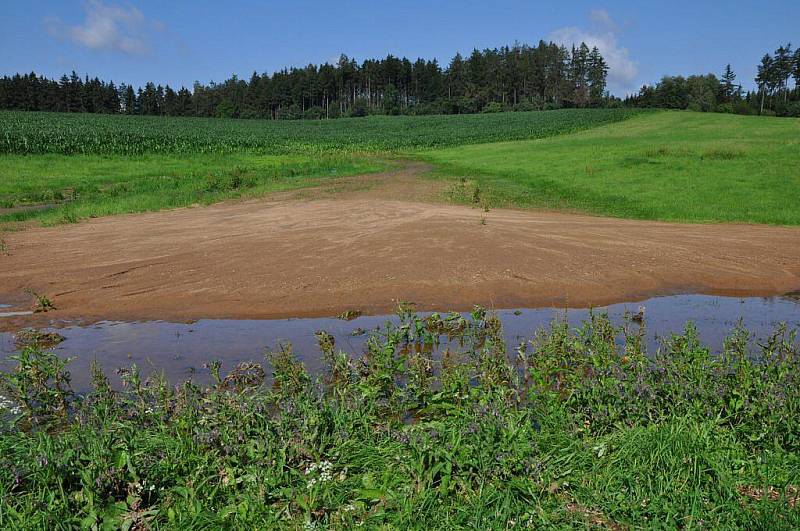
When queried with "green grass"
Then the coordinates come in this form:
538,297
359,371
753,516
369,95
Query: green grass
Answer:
82,186
579,428
96,165
674,166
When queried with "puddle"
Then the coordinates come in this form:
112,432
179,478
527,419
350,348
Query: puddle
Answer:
180,349
5,305
26,208
13,314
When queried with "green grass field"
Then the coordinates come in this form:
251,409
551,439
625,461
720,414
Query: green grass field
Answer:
83,186
95,165
675,166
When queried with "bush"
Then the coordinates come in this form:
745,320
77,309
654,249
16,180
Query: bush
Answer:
359,109
288,113
793,109
314,113
493,106
526,106
726,107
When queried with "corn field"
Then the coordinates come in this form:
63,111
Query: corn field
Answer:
26,133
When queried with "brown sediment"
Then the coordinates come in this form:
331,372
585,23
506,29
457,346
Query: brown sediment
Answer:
321,253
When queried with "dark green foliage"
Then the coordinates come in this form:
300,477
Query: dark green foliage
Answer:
546,73
774,97
439,425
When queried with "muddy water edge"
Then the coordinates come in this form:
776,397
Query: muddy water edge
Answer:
180,350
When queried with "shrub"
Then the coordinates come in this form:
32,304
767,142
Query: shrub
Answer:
493,106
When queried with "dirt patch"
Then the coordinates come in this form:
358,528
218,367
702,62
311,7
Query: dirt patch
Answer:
791,494
320,253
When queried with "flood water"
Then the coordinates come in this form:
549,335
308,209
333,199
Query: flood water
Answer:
181,349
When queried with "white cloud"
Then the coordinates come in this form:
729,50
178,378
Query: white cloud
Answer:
603,32
108,27
601,21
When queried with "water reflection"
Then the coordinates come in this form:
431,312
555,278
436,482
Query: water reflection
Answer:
180,349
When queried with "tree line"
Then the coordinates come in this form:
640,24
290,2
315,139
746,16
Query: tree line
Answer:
773,96
518,77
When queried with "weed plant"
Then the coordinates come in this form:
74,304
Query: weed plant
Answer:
439,425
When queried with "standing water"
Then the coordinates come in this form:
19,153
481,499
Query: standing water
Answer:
181,349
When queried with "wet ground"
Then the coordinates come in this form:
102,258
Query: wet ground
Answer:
181,349
328,252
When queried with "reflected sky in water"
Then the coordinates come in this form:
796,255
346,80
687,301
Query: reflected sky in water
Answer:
181,349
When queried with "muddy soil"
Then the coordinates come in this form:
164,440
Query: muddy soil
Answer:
322,252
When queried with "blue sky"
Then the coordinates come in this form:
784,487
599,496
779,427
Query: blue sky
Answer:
178,42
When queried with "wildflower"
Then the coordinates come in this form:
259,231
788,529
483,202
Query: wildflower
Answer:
7,405
325,472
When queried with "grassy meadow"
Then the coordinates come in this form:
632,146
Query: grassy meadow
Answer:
81,186
576,428
673,166
94,165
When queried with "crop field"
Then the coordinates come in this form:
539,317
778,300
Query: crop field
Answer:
69,134
674,166
82,166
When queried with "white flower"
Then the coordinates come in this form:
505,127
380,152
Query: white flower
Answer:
8,405
325,472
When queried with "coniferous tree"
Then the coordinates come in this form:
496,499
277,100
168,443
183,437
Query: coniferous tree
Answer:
765,78
597,75
782,68
729,88
796,71
510,77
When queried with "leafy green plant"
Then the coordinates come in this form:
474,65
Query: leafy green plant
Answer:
43,302
349,315
40,384
438,422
